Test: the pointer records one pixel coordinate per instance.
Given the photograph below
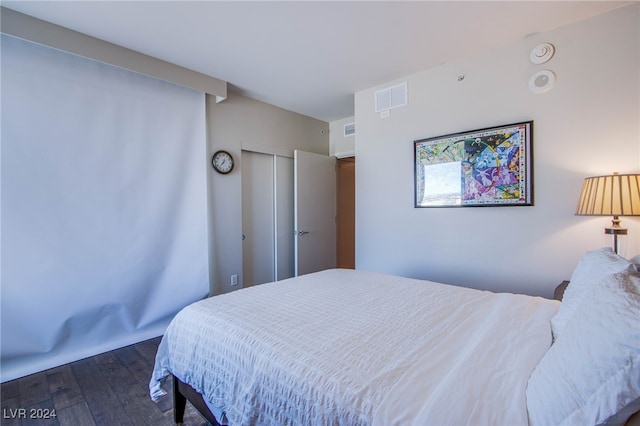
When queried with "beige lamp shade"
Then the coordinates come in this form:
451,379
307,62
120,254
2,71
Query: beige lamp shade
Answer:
612,195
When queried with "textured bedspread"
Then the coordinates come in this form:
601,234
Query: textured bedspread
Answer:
355,348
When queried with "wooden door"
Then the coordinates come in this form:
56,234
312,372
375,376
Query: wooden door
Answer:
346,213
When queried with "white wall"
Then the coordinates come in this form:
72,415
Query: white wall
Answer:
243,123
339,145
588,124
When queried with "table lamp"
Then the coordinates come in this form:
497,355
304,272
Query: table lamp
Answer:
612,195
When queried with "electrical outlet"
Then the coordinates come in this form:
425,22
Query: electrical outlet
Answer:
234,279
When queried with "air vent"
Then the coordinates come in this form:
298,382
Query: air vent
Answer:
391,97
349,129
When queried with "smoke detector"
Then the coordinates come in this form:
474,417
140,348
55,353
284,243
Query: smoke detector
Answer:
542,53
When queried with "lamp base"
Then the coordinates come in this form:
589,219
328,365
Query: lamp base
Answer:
615,229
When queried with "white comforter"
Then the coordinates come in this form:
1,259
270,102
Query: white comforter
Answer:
355,348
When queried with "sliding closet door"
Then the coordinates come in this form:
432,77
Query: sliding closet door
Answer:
258,246
284,218
267,218
104,227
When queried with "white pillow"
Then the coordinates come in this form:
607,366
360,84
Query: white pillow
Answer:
593,371
593,266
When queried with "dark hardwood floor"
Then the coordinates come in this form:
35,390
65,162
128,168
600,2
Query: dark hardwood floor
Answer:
107,389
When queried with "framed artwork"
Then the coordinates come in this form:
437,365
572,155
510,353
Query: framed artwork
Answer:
486,167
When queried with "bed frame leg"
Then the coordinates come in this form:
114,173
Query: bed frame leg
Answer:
179,403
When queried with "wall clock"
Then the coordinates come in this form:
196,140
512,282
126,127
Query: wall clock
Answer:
222,162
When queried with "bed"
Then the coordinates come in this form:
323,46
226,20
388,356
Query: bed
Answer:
362,348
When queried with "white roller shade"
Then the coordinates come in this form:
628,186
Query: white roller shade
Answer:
104,231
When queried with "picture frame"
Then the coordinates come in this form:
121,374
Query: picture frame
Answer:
478,168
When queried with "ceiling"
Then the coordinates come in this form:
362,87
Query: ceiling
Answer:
311,57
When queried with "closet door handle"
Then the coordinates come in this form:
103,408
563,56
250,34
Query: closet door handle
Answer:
300,233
